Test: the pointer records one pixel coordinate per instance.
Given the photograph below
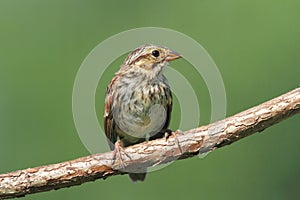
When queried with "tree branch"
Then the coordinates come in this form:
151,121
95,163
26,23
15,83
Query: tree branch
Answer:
183,145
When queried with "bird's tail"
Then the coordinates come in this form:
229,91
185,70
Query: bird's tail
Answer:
137,176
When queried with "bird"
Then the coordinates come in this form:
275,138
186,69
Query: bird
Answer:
138,101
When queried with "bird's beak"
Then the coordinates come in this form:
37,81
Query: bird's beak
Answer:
172,55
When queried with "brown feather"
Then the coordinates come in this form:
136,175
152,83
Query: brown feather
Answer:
109,123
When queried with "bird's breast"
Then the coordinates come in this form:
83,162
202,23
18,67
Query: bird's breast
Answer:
142,107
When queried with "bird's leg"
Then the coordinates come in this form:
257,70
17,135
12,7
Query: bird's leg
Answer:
117,154
169,133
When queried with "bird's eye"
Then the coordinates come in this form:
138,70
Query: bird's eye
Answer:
155,53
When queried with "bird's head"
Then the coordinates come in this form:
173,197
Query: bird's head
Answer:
149,57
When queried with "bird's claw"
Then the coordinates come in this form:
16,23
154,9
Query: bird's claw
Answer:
117,154
169,133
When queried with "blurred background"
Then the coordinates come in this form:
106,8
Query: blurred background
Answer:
255,45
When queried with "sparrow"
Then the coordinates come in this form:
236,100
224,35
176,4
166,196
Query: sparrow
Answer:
138,102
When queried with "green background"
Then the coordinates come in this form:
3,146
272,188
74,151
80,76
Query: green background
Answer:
255,45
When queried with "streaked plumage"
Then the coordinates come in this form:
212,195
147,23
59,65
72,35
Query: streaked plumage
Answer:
138,99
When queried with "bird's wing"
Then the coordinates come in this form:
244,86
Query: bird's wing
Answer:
109,124
168,108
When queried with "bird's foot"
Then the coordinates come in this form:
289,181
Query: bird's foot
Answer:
169,133
117,154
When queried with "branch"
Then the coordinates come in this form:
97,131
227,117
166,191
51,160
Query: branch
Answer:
203,139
